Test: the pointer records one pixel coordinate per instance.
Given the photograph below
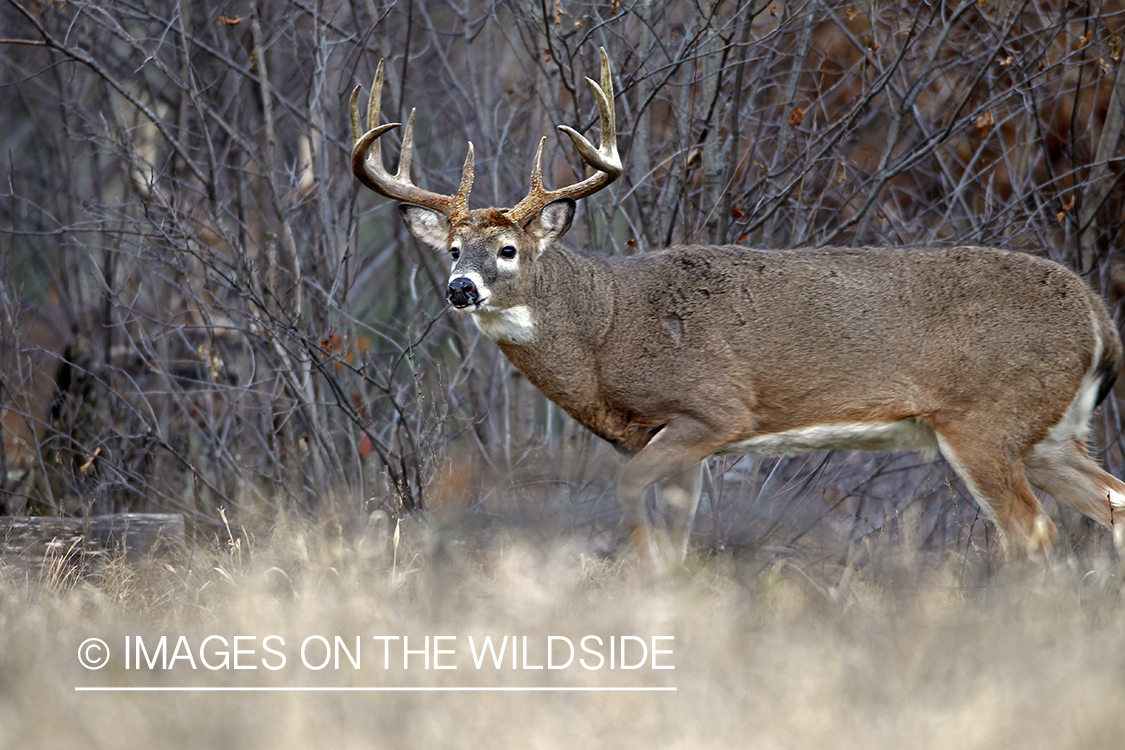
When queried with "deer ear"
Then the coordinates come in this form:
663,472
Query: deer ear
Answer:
551,223
428,226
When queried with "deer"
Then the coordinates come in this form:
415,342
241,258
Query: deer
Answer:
33,347
995,359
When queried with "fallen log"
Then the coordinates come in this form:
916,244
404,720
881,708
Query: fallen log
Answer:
133,535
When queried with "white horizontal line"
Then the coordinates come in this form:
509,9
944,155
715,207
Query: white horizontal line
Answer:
189,689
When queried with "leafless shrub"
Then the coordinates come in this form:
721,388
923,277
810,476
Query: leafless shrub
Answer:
245,329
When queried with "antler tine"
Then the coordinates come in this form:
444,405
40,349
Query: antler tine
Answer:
537,168
406,156
460,203
375,101
604,159
367,160
373,105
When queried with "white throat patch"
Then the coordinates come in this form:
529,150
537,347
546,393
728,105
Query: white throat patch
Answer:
511,325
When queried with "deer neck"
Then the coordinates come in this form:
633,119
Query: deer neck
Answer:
569,307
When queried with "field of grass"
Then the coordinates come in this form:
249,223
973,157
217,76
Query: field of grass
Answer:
907,652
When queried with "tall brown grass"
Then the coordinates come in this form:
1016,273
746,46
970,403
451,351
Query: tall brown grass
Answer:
904,652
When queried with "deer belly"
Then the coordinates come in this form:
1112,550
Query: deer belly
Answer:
900,435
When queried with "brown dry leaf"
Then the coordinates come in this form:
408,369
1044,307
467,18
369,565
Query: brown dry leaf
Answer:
1007,62
1085,38
90,461
985,123
1065,209
851,12
796,117
230,20
40,7
1115,46
693,159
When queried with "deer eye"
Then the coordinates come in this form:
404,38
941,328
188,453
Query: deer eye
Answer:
508,252
455,252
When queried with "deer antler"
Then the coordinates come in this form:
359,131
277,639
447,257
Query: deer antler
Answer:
604,159
367,160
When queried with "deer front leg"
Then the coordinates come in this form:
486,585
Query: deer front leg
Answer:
675,456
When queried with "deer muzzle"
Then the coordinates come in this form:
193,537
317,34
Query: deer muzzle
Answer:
462,292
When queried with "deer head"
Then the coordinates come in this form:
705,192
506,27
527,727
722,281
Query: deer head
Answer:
491,249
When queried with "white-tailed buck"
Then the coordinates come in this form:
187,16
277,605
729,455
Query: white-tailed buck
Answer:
994,358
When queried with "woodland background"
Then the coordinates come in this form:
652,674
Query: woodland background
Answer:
202,309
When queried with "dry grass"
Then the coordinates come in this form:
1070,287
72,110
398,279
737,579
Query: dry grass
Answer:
904,653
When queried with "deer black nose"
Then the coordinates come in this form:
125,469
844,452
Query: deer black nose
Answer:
462,292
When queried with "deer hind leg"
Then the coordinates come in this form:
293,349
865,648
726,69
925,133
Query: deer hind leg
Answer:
680,495
1067,473
999,484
